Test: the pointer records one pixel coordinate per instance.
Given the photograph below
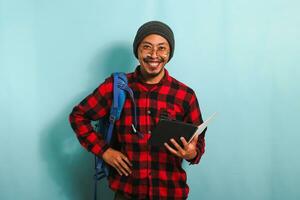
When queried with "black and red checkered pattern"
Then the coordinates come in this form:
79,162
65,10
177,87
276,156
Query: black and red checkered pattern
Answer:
156,173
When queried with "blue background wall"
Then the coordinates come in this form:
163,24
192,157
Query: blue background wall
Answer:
241,57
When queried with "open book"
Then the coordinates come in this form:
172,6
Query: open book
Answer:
167,129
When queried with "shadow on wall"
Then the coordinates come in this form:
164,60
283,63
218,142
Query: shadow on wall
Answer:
69,165
117,59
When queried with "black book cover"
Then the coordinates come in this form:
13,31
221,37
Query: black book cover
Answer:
167,129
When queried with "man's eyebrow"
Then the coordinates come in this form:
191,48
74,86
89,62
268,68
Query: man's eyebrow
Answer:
145,42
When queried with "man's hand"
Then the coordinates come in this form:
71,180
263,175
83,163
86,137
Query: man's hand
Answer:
188,151
117,160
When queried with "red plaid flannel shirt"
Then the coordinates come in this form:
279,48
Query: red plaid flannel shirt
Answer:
156,173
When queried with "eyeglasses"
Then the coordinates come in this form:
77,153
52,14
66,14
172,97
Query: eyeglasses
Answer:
161,50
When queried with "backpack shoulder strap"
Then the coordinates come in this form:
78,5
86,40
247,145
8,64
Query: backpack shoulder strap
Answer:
119,94
119,97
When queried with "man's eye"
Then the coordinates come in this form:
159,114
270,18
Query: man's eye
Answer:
162,48
146,47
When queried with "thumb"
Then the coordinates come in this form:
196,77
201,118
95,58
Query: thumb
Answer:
195,139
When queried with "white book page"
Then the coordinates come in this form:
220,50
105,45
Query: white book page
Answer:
202,126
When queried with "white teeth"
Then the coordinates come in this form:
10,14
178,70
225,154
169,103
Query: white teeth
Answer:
153,64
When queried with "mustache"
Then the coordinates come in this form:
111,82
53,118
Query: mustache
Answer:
149,59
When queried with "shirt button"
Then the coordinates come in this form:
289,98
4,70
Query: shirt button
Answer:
149,112
149,132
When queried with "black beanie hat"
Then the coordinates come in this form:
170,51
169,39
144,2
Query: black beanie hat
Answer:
154,27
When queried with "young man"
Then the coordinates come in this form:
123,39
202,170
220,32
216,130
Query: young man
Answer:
138,170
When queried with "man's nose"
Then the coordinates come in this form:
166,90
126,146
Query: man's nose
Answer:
153,53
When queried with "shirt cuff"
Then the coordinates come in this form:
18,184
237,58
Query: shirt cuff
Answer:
104,148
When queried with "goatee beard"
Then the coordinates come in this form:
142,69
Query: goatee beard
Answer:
156,74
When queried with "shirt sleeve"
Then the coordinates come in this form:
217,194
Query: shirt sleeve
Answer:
194,116
92,108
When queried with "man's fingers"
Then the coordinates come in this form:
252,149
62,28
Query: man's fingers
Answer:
125,167
173,151
127,160
120,168
184,142
178,147
117,160
121,174
195,139
116,167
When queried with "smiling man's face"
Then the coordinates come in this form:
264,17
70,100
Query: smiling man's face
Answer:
153,54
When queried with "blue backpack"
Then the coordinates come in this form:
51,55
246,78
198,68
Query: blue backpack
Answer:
105,126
